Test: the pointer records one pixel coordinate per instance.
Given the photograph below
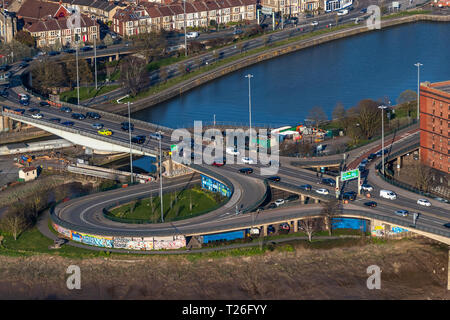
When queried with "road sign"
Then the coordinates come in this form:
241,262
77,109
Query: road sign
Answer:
266,10
173,147
349,175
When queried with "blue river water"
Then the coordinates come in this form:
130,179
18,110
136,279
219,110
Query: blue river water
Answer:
373,65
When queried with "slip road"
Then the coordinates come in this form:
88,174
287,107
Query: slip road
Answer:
245,309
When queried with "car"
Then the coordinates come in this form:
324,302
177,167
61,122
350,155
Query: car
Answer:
66,109
138,139
86,48
105,132
274,178
441,200
306,187
218,162
328,182
25,102
279,202
349,195
4,93
364,161
127,126
238,31
272,206
322,191
44,104
366,187
37,116
93,115
21,111
285,226
363,10
68,123
372,204
232,150
192,35
371,156
247,160
78,116
53,53
292,197
23,65
246,170
388,194
27,59
34,110
69,50
97,125
342,12
55,120
314,23
155,135
401,213
101,46
447,225
424,202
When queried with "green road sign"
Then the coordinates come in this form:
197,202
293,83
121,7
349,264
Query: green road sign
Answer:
349,175
173,148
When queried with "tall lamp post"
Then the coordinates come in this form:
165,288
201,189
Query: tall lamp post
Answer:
77,37
160,178
249,76
129,135
382,138
418,64
185,39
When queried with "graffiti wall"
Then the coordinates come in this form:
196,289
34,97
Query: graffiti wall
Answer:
127,243
349,223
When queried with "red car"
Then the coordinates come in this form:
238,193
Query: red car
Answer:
218,163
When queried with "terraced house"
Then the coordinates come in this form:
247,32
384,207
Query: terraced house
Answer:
102,10
153,16
293,7
47,23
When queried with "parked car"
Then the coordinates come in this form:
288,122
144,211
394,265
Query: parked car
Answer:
342,12
401,213
101,46
21,111
306,187
424,202
285,226
279,202
37,115
363,10
53,53
69,50
372,204
233,151
237,31
246,170
322,191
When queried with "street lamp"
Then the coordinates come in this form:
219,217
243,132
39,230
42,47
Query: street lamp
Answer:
185,40
418,64
249,76
160,178
129,135
382,138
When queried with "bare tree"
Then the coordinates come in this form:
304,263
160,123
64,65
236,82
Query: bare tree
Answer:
368,117
339,112
329,210
163,74
133,74
423,177
14,223
309,226
318,115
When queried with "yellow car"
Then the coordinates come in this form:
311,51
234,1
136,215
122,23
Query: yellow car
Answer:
105,132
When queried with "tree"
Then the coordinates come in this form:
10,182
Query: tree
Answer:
317,115
368,117
14,223
182,69
309,226
423,177
163,74
25,38
407,96
108,40
152,45
133,74
339,112
329,210
213,23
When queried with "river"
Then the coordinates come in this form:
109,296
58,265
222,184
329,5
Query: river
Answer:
372,65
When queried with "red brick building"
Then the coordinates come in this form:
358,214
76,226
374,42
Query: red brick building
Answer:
435,125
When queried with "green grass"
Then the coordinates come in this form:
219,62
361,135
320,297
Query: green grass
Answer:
202,201
155,65
405,13
86,93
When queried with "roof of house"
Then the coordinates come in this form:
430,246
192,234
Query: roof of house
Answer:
58,24
36,9
28,169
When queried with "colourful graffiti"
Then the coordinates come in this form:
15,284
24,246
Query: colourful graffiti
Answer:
63,231
398,230
175,242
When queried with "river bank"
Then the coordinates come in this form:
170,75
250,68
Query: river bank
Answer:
263,54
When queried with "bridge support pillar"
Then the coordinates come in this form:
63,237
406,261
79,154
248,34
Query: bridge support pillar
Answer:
110,58
117,57
399,164
302,199
295,226
264,230
316,200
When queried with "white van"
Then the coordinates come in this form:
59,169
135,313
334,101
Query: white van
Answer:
193,35
388,194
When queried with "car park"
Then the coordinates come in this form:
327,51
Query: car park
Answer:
68,123
424,202
279,202
155,135
93,115
322,191
388,194
37,116
246,170
44,104
105,132
97,125
66,109
366,187
247,160
274,178
55,120
138,139
78,116
372,204
401,213
306,187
